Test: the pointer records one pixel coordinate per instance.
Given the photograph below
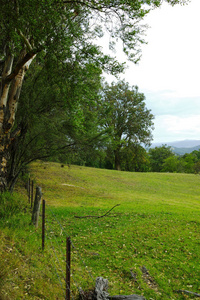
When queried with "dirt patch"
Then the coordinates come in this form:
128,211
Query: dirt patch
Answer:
66,184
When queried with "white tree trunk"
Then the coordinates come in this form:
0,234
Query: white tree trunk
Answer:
11,84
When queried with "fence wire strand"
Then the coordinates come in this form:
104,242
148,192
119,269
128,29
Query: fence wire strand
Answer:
51,237
62,255
77,251
61,269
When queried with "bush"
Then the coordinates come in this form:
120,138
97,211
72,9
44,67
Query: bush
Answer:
11,204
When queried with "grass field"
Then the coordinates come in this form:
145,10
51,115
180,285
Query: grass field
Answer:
148,245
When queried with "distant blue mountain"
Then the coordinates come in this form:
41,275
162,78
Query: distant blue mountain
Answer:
181,147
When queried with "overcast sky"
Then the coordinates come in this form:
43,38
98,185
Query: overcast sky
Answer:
168,73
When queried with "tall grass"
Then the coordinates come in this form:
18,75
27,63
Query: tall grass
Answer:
25,272
11,204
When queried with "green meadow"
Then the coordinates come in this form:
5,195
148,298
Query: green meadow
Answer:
148,244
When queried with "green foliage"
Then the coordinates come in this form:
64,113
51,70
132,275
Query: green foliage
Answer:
126,119
162,159
64,33
134,158
57,114
197,167
174,164
11,204
69,28
190,159
157,157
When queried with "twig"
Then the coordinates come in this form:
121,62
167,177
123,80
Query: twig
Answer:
188,292
97,217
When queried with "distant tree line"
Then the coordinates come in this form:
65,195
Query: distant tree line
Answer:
138,159
162,159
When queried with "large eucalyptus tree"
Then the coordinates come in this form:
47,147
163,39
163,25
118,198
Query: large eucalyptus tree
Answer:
66,28
125,116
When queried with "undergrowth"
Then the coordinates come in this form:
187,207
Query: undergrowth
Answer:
11,204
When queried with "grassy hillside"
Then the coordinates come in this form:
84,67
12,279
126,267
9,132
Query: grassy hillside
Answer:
149,244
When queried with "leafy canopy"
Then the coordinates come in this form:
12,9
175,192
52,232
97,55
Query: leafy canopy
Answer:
69,27
125,116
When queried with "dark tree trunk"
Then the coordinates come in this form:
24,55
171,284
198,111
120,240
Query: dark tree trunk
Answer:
117,160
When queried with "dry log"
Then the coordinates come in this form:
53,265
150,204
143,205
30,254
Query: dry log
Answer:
101,287
101,292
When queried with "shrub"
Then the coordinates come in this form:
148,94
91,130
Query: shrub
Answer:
11,204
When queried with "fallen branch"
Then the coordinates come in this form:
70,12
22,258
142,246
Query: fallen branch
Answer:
98,217
188,292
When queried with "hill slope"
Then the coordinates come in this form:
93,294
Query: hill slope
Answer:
148,244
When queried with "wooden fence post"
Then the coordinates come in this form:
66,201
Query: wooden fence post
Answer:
68,259
32,194
36,207
43,223
29,189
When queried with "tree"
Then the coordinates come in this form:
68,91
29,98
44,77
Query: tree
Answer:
56,115
197,167
158,155
65,28
126,118
135,158
190,159
174,164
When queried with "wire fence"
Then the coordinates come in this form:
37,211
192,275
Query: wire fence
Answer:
71,274
57,242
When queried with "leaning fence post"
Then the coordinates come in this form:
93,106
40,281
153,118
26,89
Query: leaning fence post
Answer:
68,258
43,223
32,194
36,207
29,189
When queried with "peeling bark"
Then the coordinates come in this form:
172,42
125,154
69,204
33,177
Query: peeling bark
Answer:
11,84
13,100
5,87
23,62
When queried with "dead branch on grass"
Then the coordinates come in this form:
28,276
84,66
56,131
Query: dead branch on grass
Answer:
97,217
188,293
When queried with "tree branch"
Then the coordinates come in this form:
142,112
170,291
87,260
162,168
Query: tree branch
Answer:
20,64
97,217
26,41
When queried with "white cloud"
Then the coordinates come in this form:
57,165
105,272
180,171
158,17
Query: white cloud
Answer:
171,59
165,102
168,73
171,128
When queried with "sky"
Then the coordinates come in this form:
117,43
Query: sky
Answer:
168,72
